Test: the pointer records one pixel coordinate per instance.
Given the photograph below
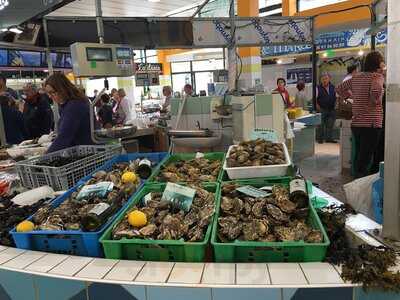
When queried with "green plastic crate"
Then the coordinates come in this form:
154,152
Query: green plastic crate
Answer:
156,250
187,156
241,251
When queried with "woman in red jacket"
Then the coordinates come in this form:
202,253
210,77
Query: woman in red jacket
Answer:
281,89
367,92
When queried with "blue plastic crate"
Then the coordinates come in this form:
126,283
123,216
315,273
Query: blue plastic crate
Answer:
377,200
77,242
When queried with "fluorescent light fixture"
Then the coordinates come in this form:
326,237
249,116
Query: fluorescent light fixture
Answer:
16,30
3,30
153,0
279,61
325,54
3,4
360,53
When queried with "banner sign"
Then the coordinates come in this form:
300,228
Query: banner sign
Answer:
252,31
333,40
294,75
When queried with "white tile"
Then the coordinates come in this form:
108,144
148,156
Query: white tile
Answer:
25,259
189,273
46,263
286,274
2,248
155,272
219,273
71,266
252,274
321,273
97,268
125,270
9,254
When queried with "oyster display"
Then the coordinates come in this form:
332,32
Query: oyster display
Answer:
165,222
271,219
256,153
69,214
195,170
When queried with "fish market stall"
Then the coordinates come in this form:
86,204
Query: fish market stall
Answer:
123,225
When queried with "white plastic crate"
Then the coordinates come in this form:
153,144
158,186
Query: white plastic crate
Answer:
258,171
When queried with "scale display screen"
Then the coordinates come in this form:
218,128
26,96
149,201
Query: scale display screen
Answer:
3,57
124,53
98,54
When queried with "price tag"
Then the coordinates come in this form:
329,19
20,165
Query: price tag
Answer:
180,196
252,191
100,189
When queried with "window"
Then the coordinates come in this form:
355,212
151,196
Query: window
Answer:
207,65
270,8
180,67
310,4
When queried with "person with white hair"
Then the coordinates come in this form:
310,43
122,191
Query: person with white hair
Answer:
167,92
326,105
38,115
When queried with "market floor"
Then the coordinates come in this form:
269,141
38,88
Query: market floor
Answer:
324,168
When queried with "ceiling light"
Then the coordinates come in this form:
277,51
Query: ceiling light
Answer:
325,54
16,30
153,0
3,30
360,53
279,61
3,4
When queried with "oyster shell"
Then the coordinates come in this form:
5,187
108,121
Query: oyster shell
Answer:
315,236
254,230
231,206
276,213
230,227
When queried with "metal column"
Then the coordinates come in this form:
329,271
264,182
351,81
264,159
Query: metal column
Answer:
99,21
391,204
232,52
314,58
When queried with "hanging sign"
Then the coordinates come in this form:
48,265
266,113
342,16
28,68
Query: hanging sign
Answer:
252,31
148,68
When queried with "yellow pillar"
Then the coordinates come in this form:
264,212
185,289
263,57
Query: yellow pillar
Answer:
250,56
289,8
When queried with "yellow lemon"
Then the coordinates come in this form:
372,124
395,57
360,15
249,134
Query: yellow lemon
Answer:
128,177
25,226
137,218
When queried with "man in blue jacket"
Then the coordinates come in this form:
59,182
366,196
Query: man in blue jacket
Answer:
326,105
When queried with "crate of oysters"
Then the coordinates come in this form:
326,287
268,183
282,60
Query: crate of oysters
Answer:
190,168
74,222
165,222
257,159
265,221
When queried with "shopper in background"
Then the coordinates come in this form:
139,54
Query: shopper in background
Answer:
167,92
122,110
351,70
367,90
38,116
301,97
326,104
13,121
281,89
4,90
74,124
113,96
188,89
105,112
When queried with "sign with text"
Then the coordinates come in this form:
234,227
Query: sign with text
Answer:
148,68
252,31
294,75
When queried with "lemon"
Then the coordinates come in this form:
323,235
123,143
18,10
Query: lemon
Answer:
128,177
137,218
25,226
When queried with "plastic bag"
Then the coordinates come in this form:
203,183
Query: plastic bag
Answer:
359,194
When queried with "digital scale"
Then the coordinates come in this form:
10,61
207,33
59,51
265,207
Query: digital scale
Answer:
102,60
